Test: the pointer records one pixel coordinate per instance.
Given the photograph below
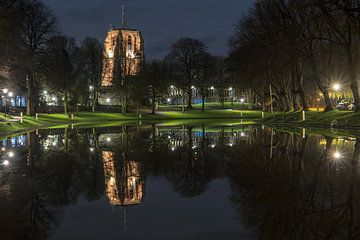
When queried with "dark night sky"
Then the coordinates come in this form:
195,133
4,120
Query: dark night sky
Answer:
162,22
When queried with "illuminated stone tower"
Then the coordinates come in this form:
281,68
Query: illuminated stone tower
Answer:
123,54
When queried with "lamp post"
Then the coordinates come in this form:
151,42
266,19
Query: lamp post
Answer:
336,87
232,96
5,91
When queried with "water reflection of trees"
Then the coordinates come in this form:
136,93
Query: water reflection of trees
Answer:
192,167
47,178
293,189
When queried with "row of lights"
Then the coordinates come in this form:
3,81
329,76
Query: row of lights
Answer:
193,87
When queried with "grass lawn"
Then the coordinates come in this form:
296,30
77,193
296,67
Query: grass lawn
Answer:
335,117
208,106
107,119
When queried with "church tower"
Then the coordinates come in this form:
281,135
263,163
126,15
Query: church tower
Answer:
123,53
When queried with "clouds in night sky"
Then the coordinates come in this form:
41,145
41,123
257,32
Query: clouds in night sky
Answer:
161,21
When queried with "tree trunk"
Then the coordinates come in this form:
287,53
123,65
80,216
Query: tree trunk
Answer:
222,98
301,93
328,106
66,102
29,98
202,99
95,101
153,106
354,84
189,104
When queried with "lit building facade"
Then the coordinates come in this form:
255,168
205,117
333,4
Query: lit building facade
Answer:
123,54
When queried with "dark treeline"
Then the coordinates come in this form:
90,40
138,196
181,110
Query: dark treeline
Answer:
36,56
298,49
285,54
37,60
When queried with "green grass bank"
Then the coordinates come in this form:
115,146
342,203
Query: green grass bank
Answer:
110,119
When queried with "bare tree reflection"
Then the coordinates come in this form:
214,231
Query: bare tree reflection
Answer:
298,194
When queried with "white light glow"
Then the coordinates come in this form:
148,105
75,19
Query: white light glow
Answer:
108,100
336,87
11,154
5,90
337,155
11,94
6,162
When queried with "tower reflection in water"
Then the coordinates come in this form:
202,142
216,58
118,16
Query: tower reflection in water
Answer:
123,178
124,184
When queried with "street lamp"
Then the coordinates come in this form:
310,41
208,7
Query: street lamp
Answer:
10,94
242,101
336,87
337,155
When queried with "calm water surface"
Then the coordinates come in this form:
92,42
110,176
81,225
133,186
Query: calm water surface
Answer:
185,182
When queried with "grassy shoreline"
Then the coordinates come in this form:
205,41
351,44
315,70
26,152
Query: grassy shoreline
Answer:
88,118
332,119
344,120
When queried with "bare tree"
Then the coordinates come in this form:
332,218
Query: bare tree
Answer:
60,62
185,56
91,64
38,24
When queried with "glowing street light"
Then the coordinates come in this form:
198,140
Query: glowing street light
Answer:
108,139
337,155
11,94
108,100
230,88
5,90
242,100
212,88
168,100
11,154
6,162
336,87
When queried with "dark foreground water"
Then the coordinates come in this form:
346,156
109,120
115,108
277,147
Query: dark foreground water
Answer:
199,182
